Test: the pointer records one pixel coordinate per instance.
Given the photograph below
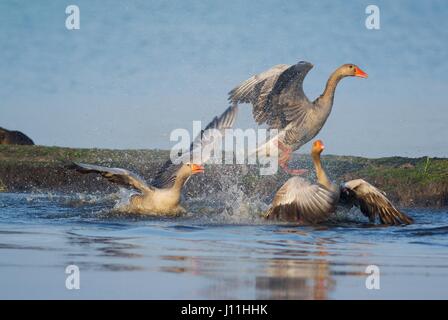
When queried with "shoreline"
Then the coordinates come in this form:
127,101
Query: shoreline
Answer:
408,182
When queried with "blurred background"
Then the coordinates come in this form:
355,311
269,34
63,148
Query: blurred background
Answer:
136,70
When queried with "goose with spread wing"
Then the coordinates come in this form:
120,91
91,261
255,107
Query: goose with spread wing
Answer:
278,100
301,201
163,195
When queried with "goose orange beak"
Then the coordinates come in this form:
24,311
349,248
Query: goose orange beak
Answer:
196,168
360,73
319,144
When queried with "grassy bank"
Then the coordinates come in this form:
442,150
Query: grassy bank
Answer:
408,181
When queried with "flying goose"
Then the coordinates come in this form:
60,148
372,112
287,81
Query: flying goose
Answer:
278,100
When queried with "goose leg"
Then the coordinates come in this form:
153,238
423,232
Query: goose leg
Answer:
285,157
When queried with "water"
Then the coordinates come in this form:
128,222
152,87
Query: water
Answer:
218,253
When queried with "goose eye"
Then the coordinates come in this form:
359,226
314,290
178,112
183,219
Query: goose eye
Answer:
351,67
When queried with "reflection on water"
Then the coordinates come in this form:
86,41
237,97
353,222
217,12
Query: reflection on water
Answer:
288,279
196,257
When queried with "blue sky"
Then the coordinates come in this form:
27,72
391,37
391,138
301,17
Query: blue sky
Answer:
138,69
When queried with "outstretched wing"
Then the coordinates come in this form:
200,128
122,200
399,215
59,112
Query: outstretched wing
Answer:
299,200
372,202
256,89
203,144
276,95
116,175
200,148
167,175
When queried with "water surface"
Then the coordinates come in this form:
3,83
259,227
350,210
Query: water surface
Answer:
218,253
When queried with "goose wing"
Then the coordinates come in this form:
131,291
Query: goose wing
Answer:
200,149
372,202
276,95
299,200
256,89
116,175
203,144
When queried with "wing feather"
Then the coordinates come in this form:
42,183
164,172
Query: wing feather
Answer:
373,203
200,148
250,90
299,200
204,143
276,95
119,176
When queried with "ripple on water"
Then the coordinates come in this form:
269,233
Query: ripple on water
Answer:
222,248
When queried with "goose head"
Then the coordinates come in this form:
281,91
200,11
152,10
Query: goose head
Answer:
186,171
189,169
351,70
317,148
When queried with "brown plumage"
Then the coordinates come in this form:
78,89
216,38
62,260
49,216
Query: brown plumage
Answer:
150,199
299,200
372,202
163,196
278,100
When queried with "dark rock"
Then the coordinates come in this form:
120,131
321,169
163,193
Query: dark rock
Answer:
14,137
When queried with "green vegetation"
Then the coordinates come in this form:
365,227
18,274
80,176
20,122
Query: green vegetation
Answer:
2,186
408,181
39,155
421,171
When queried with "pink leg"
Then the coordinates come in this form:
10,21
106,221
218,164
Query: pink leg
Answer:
283,160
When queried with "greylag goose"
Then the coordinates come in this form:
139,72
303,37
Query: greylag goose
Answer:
301,201
278,100
163,195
